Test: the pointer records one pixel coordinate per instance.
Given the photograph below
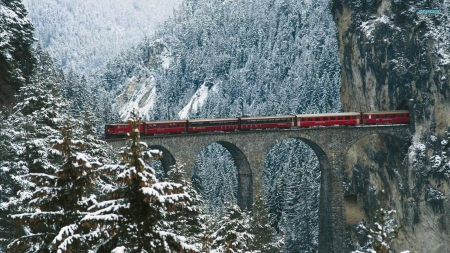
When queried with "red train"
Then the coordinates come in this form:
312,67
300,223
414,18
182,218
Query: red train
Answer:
266,122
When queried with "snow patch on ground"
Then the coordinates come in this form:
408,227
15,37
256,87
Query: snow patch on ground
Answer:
196,101
142,101
369,26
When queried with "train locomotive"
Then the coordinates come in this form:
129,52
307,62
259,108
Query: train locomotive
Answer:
149,128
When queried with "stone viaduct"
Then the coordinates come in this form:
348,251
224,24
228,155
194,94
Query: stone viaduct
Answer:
250,148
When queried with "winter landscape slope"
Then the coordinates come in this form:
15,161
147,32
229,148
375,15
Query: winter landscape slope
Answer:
83,35
256,57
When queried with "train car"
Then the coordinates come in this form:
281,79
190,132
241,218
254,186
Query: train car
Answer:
207,125
329,119
386,117
165,127
119,130
280,122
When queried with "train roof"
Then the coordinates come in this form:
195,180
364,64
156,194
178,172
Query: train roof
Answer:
210,120
329,114
165,121
268,117
386,112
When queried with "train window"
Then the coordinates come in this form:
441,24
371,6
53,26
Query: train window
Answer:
385,116
317,118
332,118
325,118
339,117
310,119
347,117
400,115
377,116
392,115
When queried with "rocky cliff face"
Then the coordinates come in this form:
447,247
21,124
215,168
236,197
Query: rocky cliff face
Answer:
392,52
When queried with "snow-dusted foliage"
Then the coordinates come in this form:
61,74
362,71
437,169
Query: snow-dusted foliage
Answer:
133,219
232,233
265,238
16,56
381,232
440,161
84,35
186,221
292,180
257,57
215,176
436,167
58,202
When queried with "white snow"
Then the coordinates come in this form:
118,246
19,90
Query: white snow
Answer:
120,249
369,26
196,102
142,101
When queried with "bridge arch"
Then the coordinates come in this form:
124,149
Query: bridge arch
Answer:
167,159
324,223
245,179
244,172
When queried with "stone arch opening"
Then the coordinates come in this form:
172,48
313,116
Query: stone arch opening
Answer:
167,160
243,180
314,211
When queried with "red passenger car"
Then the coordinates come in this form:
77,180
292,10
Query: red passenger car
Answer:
206,125
280,122
119,130
387,117
329,119
165,127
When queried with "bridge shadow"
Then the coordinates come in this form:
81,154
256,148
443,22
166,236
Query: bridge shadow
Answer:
245,180
167,160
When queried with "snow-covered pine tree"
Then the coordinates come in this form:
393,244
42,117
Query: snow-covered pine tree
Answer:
132,220
16,54
382,232
261,227
26,138
186,220
58,203
233,233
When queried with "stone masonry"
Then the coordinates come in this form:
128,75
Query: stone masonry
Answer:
250,148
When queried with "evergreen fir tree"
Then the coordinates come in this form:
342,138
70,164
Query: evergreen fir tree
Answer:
16,53
187,220
58,203
233,233
132,220
264,235
26,139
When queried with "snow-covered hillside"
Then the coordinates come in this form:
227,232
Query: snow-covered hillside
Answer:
258,57
83,35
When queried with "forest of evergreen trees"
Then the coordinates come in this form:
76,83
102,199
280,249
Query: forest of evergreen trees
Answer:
254,57
64,190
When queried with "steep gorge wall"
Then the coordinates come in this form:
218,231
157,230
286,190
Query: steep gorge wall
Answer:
390,53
